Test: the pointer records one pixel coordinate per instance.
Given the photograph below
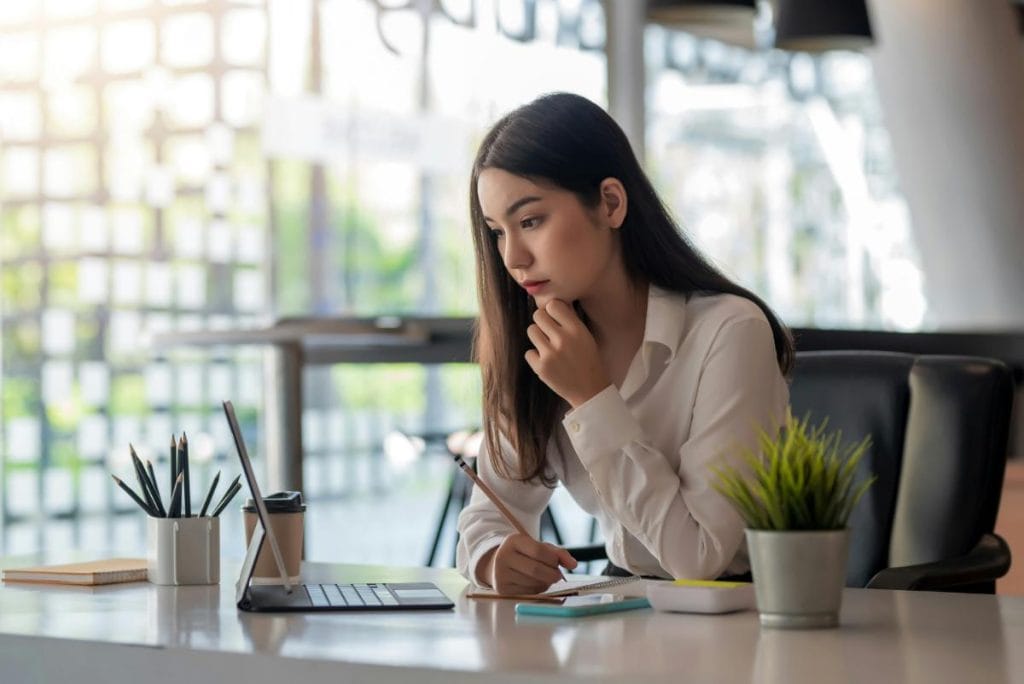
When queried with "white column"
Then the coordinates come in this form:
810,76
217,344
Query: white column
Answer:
950,78
624,50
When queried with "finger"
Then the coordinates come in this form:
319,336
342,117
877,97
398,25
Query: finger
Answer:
533,361
524,582
509,581
556,556
550,328
511,575
530,548
562,313
539,339
566,560
514,582
548,555
533,568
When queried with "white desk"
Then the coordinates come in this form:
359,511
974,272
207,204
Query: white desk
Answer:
144,633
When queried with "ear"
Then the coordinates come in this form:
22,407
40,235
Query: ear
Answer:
613,202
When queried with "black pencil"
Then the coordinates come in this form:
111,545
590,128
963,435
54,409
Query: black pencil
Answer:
135,497
227,492
186,485
227,499
156,486
174,461
148,484
209,494
141,476
175,511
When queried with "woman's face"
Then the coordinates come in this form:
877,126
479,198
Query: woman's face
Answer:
552,245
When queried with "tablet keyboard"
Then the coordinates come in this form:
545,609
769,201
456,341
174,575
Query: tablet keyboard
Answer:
323,595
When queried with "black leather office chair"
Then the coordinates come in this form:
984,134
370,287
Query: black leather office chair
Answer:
939,427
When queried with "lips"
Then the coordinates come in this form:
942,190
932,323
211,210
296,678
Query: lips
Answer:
534,286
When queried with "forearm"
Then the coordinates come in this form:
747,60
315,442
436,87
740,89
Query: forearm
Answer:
665,498
692,534
481,525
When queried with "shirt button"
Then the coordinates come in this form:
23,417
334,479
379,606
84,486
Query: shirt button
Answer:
574,426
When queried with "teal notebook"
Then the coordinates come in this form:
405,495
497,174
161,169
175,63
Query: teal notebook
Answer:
589,604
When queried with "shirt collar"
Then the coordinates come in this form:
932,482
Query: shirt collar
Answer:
666,321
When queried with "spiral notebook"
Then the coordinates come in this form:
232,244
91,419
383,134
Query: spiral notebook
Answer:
627,586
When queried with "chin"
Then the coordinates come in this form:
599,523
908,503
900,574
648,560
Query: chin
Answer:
543,298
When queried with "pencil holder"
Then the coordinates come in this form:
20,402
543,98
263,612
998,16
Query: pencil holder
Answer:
184,550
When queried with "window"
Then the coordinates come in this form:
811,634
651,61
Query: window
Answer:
210,164
121,199
218,163
778,165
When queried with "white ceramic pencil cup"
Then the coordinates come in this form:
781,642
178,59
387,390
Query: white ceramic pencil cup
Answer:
184,550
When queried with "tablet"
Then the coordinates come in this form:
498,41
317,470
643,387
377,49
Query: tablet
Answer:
587,604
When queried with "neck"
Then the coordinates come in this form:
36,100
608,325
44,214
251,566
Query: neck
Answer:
617,310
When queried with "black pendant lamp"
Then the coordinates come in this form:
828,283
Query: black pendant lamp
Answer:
679,13
728,21
817,25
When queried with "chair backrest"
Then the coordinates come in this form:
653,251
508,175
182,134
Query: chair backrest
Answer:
939,427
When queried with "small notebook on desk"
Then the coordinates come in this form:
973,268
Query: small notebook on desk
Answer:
110,571
626,586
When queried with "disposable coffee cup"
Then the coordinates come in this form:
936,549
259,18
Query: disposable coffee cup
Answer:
286,511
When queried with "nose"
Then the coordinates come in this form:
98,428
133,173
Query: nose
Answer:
516,254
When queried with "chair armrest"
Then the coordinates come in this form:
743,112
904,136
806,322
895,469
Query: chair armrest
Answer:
986,562
586,554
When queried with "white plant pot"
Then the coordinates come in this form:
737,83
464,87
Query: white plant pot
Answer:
798,576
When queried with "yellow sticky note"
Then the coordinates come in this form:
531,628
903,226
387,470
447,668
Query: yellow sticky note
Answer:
711,584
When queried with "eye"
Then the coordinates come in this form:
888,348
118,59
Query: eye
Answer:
530,222
497,233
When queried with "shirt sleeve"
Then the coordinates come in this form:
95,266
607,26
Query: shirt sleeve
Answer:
676,514
482,527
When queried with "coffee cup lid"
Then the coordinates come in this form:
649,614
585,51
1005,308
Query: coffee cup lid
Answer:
278,502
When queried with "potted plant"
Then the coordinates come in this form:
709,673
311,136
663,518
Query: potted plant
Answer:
795,498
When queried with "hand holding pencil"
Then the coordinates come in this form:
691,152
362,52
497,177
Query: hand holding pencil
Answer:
521,564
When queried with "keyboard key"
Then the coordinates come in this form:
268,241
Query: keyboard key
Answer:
369,598
334,595
350,594
317,596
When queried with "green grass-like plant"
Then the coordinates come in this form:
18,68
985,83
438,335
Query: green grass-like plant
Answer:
803,479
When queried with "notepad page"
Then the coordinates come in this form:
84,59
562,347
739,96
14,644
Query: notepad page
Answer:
625,586
590,585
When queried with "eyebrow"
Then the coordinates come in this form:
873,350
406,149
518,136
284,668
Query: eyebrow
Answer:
519,203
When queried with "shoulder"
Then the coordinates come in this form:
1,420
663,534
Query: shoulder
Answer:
699,322
714,312
725,324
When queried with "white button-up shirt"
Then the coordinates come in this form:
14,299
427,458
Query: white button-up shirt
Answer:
703,384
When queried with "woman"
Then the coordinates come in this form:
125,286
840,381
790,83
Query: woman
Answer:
616,360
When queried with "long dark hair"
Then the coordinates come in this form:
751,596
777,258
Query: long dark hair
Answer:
568,141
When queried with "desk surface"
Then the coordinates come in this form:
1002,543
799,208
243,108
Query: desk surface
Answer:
409,339
142,632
